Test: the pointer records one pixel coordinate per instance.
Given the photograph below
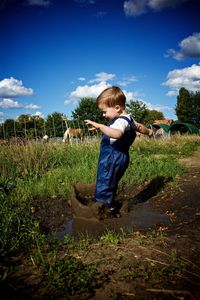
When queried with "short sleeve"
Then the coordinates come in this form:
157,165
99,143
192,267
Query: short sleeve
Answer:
120,124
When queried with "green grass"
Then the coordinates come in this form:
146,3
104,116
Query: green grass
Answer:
63,274
110,237
38,171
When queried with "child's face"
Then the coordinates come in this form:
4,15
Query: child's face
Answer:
109,112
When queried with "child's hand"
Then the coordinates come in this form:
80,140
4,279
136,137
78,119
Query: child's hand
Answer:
93,125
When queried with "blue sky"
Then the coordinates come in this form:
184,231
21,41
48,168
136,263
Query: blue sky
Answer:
55,52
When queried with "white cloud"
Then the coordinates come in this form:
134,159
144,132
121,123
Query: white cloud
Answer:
31,106
102,77
39,114
11,87
129,95
85,1
9,104
44,3
139,7
188,78
173,93
97,85
189,47
127,81
90,91
81,78
162,4
158,107
101,14
135,7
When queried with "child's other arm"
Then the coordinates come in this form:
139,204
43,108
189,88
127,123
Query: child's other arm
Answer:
144,130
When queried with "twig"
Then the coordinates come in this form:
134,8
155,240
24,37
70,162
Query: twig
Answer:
173,292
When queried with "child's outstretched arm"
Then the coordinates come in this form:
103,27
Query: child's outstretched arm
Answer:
111,132
144,130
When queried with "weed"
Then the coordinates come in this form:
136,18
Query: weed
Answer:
110,237
64,276
155,234
141,271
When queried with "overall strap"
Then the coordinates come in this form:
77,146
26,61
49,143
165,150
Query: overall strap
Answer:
130,121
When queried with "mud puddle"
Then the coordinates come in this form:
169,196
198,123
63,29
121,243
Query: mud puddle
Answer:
141,217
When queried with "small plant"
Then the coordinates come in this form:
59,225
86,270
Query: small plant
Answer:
110,237
155,234
65,276
139,238
141,271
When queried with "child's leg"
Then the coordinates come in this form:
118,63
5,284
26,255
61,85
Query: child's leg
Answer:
108,177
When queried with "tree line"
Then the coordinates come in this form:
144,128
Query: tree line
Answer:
33,127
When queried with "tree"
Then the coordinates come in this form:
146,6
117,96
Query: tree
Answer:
30,126
9,128
153,115
184,106
54,125
87,109
138,110
196,108
188,107
2,131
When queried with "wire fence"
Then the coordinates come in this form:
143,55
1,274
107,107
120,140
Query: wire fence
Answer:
37,130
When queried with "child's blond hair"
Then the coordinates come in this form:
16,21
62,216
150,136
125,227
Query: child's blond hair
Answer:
112,96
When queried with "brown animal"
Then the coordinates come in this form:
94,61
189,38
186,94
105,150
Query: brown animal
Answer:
17,141
159,132
3,142
71,133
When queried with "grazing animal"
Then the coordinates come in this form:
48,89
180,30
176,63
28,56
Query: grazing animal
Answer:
159,133
17,141
71,133
3,142
45,138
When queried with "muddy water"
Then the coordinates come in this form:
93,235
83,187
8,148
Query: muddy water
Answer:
139,218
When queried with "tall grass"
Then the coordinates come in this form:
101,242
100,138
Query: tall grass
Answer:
38,171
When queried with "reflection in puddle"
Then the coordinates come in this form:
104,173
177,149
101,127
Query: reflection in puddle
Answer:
141,217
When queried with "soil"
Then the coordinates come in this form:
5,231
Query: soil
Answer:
156,259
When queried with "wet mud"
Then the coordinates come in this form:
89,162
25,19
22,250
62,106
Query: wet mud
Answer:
141,217
140,214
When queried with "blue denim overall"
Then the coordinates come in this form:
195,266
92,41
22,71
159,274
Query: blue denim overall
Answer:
113,162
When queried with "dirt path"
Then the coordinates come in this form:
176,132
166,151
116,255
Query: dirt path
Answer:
192,162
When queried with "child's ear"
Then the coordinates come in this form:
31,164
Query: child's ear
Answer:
117,107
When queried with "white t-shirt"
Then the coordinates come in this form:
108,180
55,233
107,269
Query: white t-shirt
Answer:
122,125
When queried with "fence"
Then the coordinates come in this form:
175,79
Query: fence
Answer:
36,131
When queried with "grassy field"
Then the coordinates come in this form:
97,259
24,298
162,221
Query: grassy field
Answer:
48,170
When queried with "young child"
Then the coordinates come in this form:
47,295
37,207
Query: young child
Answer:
116,141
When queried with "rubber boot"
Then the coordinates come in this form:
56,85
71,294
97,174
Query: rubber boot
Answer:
85,192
